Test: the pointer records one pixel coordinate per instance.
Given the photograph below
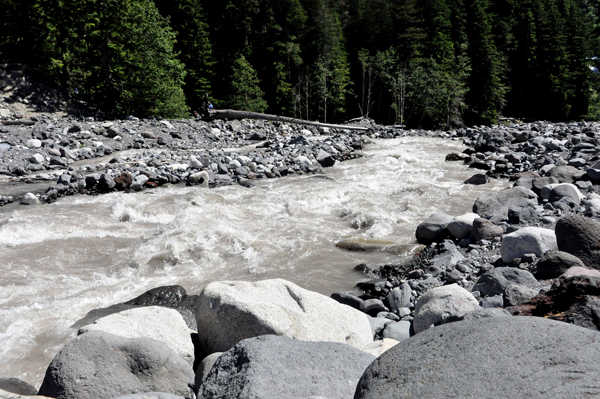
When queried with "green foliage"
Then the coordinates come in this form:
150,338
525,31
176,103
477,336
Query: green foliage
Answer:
119,53
245,93
416,62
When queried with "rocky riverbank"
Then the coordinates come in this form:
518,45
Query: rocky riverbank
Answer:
528,250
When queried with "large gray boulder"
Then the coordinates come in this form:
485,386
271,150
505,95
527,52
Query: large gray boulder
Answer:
156,322
494,206
434,229
528,240
555,263
279,367
230,311
99,365
494,357
580,236
442,305
514,284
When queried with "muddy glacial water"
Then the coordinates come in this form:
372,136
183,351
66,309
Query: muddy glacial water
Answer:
59,261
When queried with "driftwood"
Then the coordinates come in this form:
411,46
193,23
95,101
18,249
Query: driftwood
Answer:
25,123
233,114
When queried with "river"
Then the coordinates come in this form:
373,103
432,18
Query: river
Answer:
60,261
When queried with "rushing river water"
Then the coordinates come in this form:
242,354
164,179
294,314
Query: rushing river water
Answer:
62,260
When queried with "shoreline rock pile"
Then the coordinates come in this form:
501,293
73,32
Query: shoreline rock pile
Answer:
441,323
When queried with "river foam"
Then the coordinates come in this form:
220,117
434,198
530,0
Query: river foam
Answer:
62,260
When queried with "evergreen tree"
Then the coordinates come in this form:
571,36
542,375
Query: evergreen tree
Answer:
245,93
187,19
119,53
486,81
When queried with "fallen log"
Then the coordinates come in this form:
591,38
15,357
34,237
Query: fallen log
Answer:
23,122
233,114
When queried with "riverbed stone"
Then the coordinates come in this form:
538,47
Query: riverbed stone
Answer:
398,331
204,368
580,236
531,357
29,199
441,305
100,365
494,206
483,229
528,240
156,322
434,229
271,366
462,226
554,263
514,284
230,311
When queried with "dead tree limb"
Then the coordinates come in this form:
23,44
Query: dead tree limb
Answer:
25,122
233,114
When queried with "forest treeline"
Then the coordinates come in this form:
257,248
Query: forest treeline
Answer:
427,63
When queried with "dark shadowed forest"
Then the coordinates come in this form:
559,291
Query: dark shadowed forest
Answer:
426,63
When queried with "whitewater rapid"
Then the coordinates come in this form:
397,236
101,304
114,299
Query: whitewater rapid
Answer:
60,261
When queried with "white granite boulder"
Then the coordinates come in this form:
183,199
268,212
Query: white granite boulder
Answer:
528,240
462,226
441,305
156,322
230,311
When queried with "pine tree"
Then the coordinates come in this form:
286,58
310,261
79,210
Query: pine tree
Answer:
486,81
245,92
187,19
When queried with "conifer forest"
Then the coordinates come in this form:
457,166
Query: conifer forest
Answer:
419,63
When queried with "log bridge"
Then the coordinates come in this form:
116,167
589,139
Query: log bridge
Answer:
233,114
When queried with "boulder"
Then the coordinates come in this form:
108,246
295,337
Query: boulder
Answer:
580,236
483,229
280,367
398,331
29,199
494,206
399,297
99,365
462,226
516,285
478,179
156,322
325,159
528,240
442,305
434,229
230,311
494,357
564,173
574,298
554,263
555,192
541,182
204,368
